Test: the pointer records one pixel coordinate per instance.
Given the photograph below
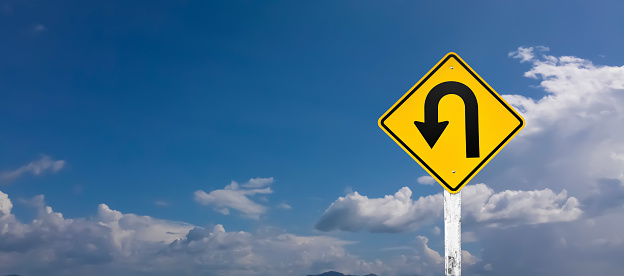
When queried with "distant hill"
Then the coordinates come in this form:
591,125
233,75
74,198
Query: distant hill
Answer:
334,273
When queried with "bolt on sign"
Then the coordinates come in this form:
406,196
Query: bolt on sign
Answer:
451,122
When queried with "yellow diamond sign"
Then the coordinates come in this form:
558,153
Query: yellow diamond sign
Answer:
451,122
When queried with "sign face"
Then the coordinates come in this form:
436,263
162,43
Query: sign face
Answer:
451,122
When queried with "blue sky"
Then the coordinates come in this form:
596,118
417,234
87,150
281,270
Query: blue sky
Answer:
139,106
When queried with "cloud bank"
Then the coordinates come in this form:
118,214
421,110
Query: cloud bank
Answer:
114,243
400,213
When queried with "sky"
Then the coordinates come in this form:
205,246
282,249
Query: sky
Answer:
241,138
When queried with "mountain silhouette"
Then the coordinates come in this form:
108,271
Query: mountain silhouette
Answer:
334,273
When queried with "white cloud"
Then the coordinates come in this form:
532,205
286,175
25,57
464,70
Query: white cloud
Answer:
5,205
426,180
258,182
392,213
524,54
114,243
399,213
572,139
527,54
512,208
436,230
284,206
467,258
241,253
577,90
51,241
429,255
237,198
572,136
45,163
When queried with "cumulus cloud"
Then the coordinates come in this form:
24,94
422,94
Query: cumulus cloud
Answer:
512,208
572,137
400,213
45,163
237,197
52,244
429,255
576,88
392,213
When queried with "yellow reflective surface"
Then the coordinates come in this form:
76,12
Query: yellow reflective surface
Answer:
447,161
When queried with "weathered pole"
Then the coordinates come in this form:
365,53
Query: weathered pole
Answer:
452,233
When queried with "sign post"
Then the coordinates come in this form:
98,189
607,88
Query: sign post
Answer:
452,233
451,123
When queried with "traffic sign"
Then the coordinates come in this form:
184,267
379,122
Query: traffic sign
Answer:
451,122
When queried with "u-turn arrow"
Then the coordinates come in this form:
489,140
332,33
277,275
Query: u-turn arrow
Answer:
431,129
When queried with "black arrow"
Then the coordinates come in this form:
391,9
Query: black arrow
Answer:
431,129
